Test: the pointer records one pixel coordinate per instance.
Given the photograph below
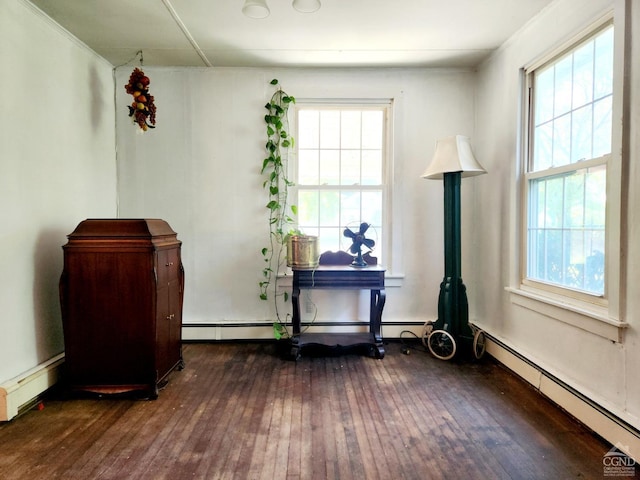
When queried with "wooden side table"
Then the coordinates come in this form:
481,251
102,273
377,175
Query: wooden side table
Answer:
340,277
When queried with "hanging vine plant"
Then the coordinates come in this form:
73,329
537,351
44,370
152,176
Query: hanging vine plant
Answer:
277,183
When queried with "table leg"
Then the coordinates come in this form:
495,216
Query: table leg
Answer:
295,303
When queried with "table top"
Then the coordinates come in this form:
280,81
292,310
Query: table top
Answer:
340,268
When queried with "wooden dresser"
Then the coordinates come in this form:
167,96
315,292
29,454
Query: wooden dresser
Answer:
121,295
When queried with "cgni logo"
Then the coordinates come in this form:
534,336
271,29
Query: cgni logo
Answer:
616,463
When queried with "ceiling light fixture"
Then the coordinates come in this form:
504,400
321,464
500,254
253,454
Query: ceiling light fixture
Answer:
260,9
255,9
306,6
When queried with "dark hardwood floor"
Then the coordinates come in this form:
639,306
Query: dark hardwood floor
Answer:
238,411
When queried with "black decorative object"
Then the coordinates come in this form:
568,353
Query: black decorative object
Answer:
359,240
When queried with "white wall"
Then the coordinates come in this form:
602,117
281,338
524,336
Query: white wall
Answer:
57,167
603,370
200,171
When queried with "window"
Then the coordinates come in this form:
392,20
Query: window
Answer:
341,172
569,151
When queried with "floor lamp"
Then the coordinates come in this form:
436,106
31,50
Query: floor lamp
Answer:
453,160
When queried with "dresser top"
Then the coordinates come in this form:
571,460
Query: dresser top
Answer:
122,227
97,231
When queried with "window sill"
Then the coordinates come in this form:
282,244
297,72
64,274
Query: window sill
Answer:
591,318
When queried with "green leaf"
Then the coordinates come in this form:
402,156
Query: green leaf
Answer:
286,296
263,296
276,331
265,250
286,143
274,190
274,81
294,209
273,205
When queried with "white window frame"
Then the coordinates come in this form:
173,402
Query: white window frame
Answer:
386,105
602,315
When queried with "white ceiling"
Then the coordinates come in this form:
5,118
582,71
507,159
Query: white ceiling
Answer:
364,33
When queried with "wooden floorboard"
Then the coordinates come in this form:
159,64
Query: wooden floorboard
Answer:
241,411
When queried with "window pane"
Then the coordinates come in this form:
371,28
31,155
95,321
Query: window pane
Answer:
596,197
372,207
308,208
562,141
372,125
308,129
371,167
329,239
574,259
574,201
594,262
329,129
544,96
350,134
553,203
329,208
350,167
537,191
602,127
603,83
581,134
536,253
543,147
562,87
583,75
553,256
350,212
329,167
308,167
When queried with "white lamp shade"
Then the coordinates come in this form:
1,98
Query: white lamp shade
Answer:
255,8
453,154
306,6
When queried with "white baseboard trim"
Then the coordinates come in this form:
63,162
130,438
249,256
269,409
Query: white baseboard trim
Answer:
612,428
213,331
25,388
